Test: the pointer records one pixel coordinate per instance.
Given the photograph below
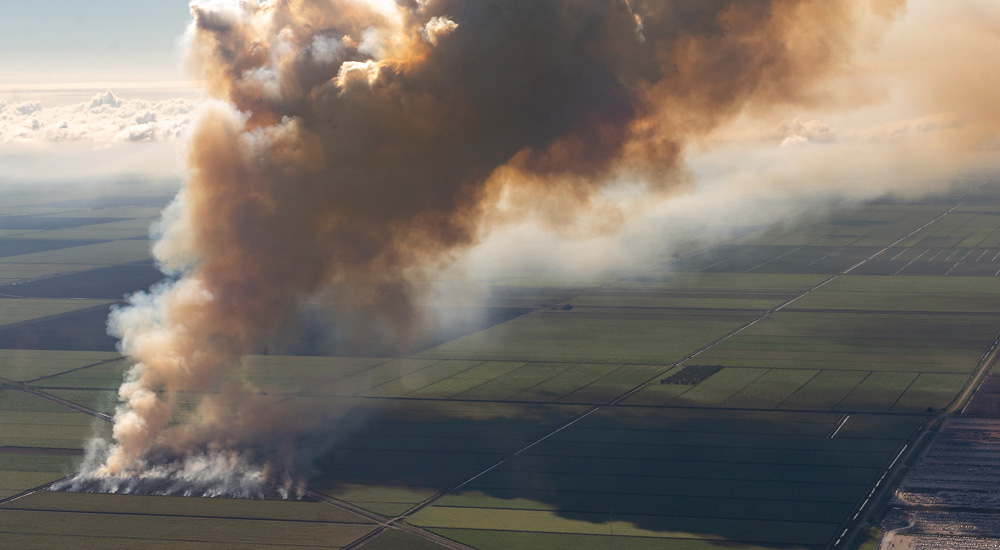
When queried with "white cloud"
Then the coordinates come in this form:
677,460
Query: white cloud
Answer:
106,118
27,107
107,98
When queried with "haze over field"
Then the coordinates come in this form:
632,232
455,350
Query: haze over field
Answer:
348,151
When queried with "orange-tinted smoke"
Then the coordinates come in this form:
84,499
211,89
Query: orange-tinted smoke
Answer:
357,146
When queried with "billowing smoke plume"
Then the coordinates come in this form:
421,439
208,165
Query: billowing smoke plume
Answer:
354,147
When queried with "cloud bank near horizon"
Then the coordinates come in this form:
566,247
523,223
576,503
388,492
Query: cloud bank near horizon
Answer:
105,118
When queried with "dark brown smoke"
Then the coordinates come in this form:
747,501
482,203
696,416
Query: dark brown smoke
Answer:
356,147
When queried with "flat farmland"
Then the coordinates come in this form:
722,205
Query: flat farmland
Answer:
594,335
409,451
57,529
743,394
110,283
22,365
763,479
32,422
15,310
101,253
902,293
708,291
40,441
852,341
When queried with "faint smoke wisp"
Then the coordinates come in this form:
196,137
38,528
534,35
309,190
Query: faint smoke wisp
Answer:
355,147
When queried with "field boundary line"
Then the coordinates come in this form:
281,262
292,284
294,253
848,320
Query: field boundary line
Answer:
61,273
495,465
20,386
788,302
777,405
29,492
840,425
902,393
385,523
47,376
848,394
184,516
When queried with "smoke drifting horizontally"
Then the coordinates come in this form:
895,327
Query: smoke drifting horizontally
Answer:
355,147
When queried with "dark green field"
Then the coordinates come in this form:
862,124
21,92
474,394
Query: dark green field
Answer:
565,419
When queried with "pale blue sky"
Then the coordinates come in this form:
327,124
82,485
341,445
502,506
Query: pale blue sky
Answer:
73,41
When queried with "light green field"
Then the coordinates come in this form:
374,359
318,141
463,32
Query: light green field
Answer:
123,212
923,343
287,374
900,293
751,454
824,391
589,336
202,507
83,529
109,253
14,482
505,540
102,376
769,390
600,524
877,393
392,539
20,271
930,390
720,386
117,229
17,310
30,421
22,364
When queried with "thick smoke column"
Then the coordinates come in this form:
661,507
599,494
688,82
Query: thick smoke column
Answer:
356,146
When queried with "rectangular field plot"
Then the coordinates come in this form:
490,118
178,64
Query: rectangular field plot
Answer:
702,477
856,341
288,374
22,365
393,539
590,335
111,213
663,289
57,501
84,329
824,391
404,452
808,390
107,253
22,469
505,540
932,294
778,259
109,231
30,421
111,283
18,246
877,392
13,271
18,310
930,391
106,375
58,529
102,401
45,223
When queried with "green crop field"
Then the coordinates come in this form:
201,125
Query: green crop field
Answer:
569,423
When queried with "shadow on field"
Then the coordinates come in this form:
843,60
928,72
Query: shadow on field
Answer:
752,481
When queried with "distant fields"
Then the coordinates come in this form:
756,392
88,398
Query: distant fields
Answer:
825,339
